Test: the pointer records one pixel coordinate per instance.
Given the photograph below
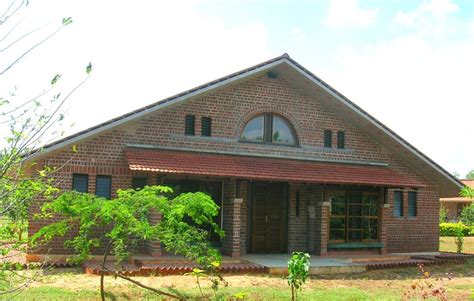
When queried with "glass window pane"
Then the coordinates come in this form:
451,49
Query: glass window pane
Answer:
355,222
354,197
355,210
282,132
337,223
338,205
355,235
336,235
253,131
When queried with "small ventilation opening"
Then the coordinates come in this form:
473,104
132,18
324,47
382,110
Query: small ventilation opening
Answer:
272,74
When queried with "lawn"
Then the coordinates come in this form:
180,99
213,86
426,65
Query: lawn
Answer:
72,284
447,244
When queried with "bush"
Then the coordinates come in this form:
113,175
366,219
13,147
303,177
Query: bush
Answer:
451,229
467,215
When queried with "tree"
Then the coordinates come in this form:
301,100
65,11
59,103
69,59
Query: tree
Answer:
125,223
470,175
25,124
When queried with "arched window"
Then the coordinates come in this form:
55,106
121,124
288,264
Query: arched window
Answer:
269,128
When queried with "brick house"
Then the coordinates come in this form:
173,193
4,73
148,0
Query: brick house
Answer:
455,205
293,164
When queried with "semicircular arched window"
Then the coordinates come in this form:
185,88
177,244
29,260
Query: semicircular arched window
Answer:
269,128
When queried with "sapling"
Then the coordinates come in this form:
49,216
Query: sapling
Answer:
298,271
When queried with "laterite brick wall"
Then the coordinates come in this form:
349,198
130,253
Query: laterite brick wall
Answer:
230,108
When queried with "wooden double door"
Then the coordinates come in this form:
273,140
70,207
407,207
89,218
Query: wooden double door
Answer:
269,217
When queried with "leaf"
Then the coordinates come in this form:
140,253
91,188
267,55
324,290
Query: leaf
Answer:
55,79
74,148
89,68
67,21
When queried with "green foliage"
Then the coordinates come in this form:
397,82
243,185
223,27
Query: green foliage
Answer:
453,229
298,271
467,216
443,214
125,221
467,192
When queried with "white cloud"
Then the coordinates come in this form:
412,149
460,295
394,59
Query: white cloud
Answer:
428,17
348,13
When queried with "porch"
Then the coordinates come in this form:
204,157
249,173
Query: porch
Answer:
277,264
274,206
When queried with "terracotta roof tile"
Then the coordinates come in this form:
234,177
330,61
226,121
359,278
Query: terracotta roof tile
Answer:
257,168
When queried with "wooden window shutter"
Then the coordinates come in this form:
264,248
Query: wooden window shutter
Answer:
398,203
412,203
327,138
341,143
103,186
80,183
189,125
206,126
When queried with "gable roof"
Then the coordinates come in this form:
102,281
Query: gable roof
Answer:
311,84
467,182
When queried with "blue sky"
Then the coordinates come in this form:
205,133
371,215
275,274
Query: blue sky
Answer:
408,63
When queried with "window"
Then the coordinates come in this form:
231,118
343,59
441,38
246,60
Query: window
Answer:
354,216
412,200
189,125
398,203
269,128
328,138
103,186
206,126
340,140
139,182
80,182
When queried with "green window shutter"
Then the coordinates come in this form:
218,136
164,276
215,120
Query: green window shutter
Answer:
327,138
139,182
103,186
206,126
341,143
189,125
412,203
80,182
398,203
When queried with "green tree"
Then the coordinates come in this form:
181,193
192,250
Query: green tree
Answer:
125,222
25,124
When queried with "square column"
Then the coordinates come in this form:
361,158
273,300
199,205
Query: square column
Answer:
153,247
232,227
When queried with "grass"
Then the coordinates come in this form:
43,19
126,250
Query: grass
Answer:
447,244
72,284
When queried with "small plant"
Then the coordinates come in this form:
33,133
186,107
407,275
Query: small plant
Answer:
198,273
459,239
427,287
298,271
443,215
240,296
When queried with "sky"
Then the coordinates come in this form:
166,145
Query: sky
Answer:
410,64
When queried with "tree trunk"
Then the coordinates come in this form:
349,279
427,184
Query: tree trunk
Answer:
106,253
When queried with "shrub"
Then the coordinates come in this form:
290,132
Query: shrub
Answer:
467,215
453,229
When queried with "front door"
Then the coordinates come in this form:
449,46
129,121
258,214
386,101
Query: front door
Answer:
268,218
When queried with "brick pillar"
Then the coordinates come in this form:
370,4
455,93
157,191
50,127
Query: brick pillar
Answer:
385,208
153,247
232,227
324,229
